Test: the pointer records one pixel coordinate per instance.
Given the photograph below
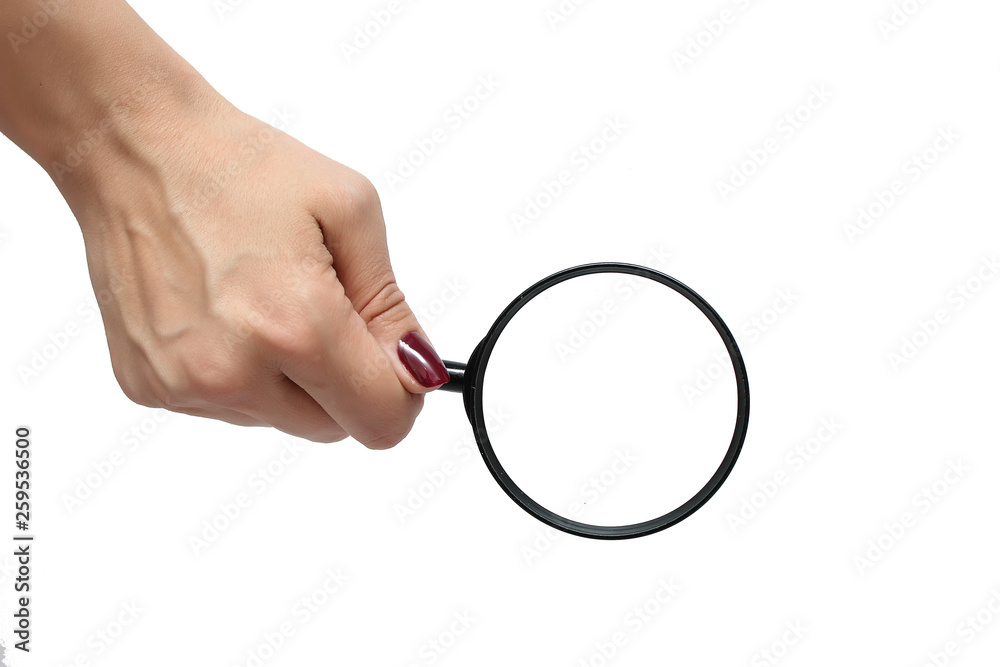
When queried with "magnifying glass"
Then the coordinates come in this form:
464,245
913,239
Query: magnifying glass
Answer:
623,400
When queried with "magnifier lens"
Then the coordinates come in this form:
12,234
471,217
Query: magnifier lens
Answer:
619,398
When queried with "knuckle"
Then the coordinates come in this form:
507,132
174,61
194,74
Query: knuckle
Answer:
136,391
176,400
205,378
139,396
387,306
357,195
295,338
314,292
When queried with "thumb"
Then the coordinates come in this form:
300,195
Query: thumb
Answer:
354,233
395,327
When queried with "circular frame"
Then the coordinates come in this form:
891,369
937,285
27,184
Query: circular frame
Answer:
473,398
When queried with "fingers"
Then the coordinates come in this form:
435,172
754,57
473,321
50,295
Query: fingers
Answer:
354,232
286,407
221,414
341,365
289,408
250,396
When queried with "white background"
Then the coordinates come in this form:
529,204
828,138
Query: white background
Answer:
822,554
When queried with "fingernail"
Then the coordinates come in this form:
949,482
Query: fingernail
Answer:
421,360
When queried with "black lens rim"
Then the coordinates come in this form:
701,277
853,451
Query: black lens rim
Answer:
473,397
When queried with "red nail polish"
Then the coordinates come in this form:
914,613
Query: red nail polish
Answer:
421,360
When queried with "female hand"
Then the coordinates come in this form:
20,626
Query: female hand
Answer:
241,275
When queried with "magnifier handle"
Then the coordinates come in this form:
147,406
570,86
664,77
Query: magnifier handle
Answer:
456,377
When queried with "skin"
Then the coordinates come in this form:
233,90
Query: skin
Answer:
241,275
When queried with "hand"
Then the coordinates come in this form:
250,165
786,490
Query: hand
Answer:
243,276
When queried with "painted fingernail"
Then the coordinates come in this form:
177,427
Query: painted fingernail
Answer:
421,360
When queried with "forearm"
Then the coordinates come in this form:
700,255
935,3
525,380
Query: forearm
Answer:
88,79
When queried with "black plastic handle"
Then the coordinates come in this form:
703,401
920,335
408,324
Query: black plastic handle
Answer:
456,377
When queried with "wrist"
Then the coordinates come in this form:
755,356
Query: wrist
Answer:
134,124
95,85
